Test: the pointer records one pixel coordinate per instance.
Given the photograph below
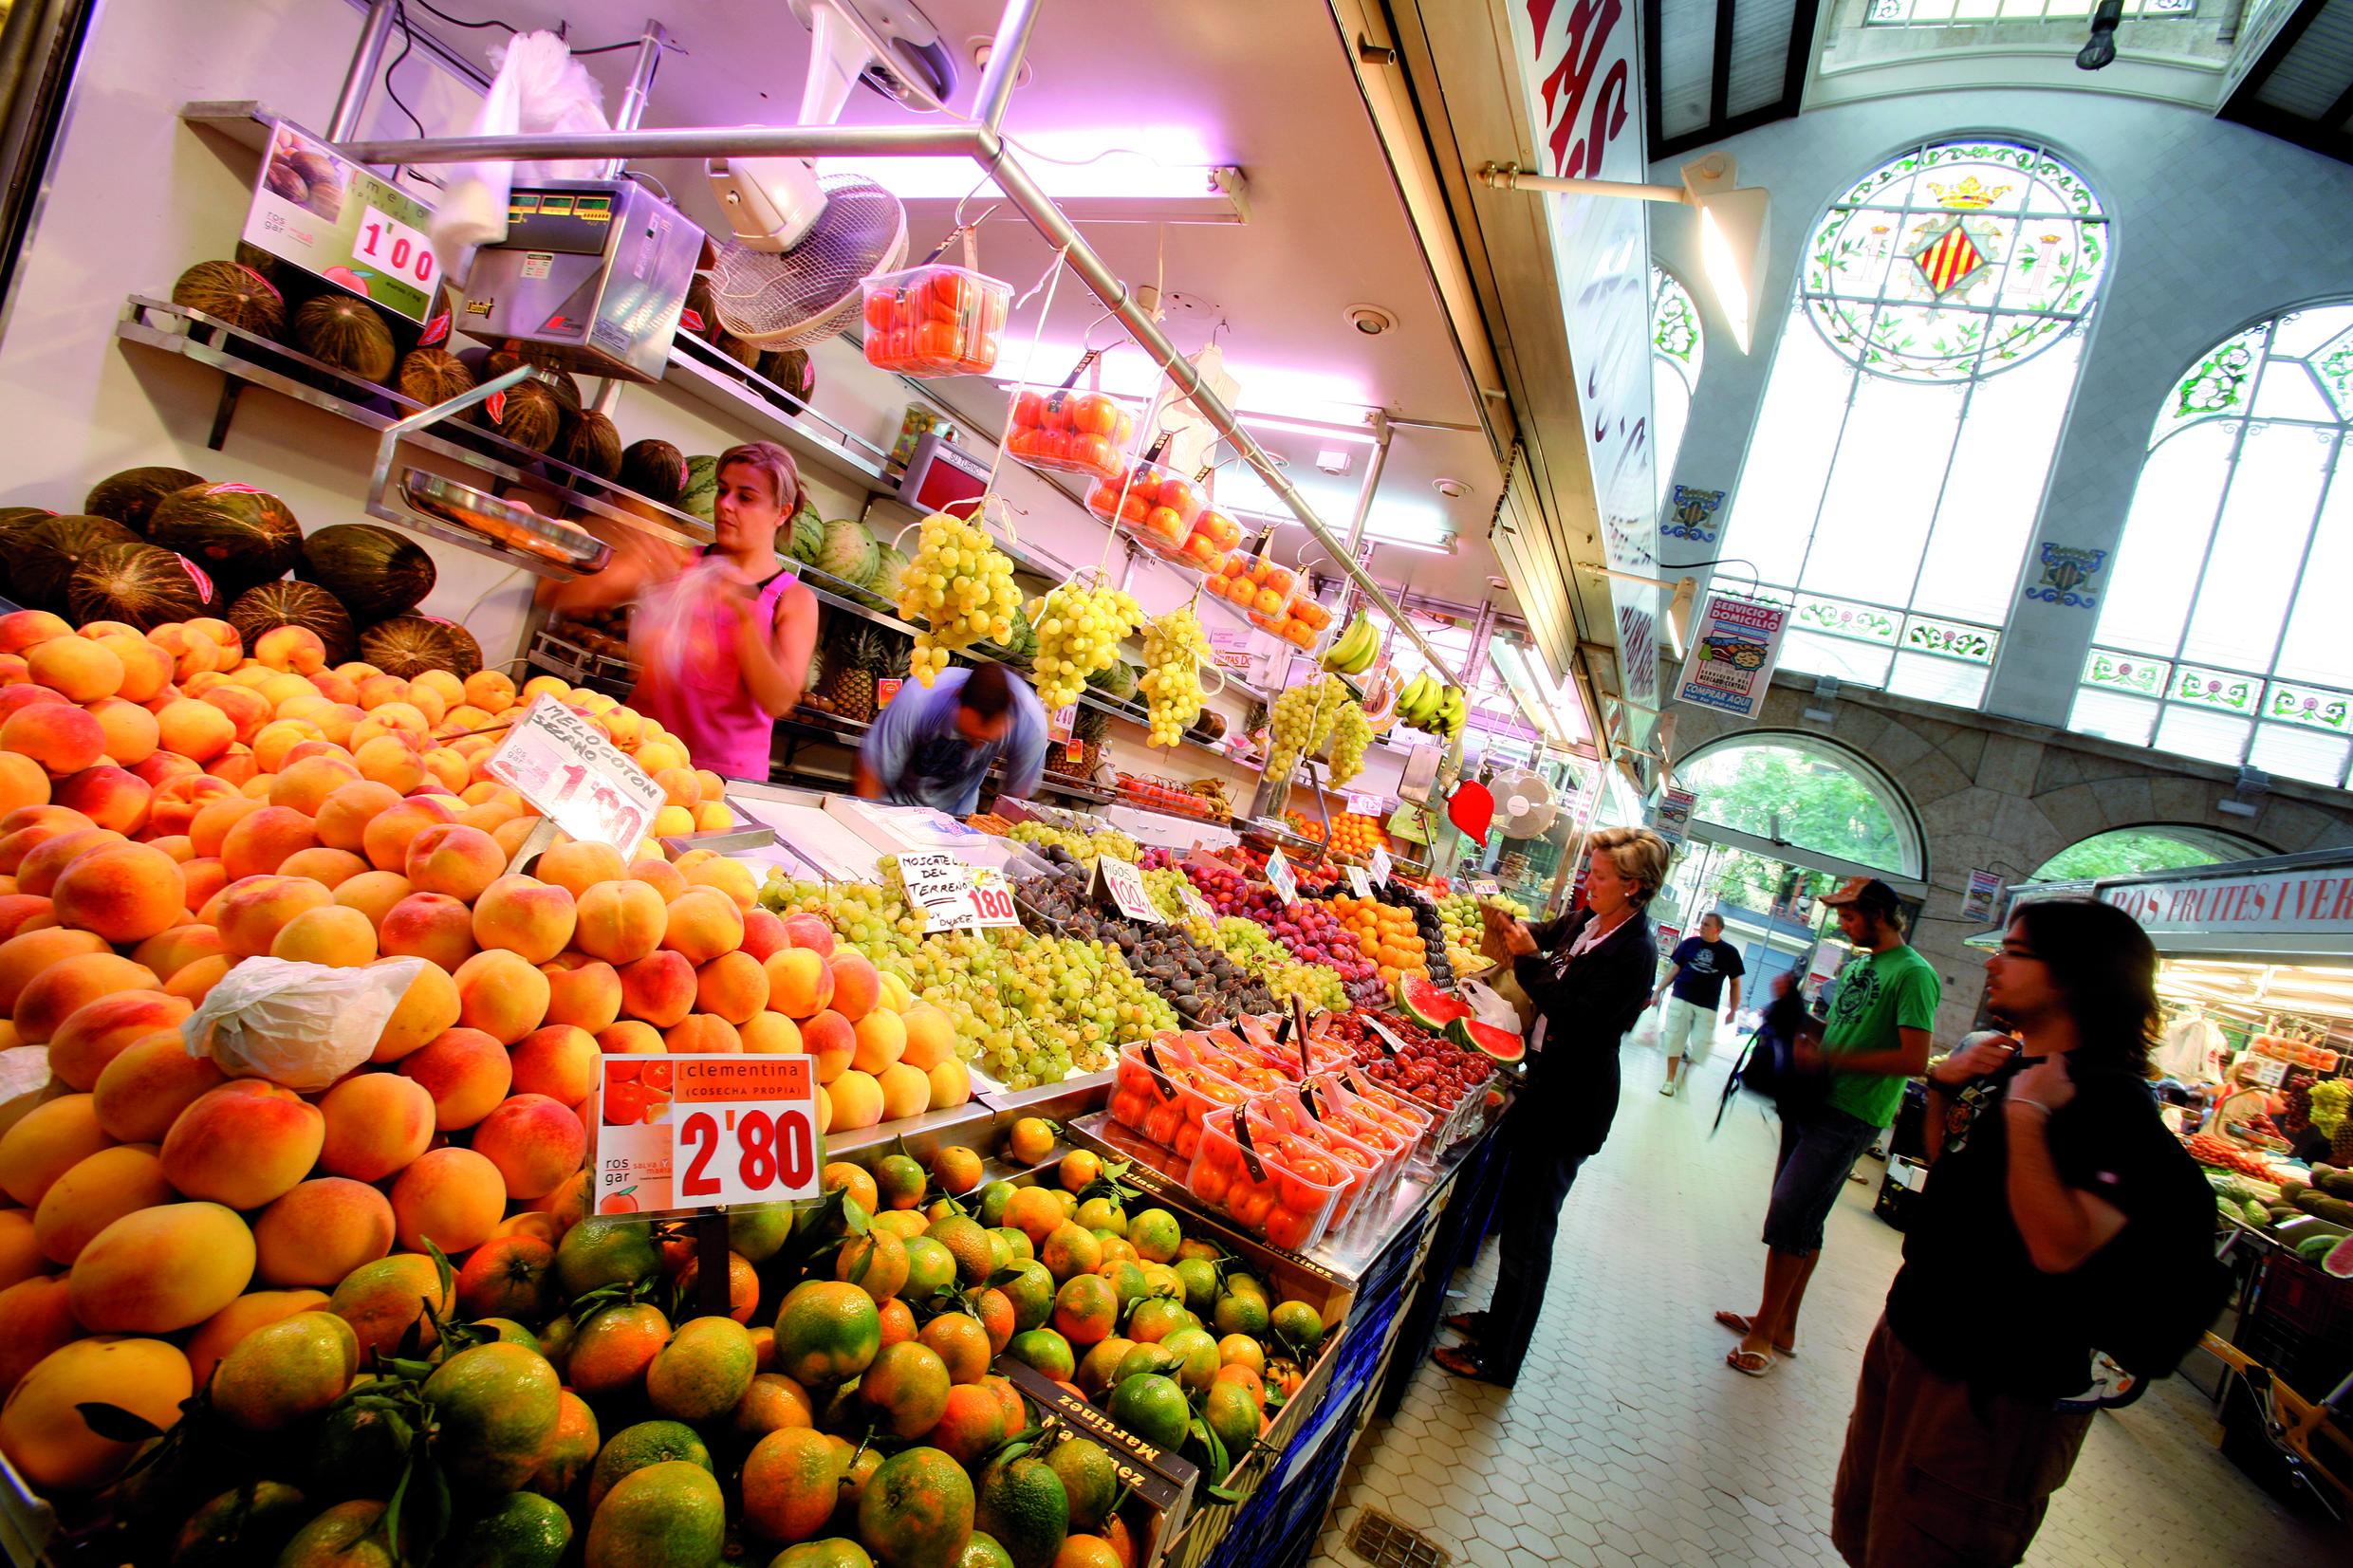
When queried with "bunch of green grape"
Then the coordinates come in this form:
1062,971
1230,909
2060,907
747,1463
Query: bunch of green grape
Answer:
960,587
1351,733
1080,625
1162,884
1300,723
1174,649
1085,846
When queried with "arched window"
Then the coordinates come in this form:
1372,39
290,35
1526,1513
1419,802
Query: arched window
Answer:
1678,351
1906,432
2222,634
1805,793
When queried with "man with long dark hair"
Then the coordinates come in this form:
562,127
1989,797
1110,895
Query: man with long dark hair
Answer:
2043,1154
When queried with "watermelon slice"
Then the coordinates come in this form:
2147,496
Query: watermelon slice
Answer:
1501,1044
2339,1262
1427,1005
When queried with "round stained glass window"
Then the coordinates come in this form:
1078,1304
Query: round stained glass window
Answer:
1958,259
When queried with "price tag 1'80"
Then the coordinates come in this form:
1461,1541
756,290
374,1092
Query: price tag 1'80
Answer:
1380,864
1279,874
1483,887
564,767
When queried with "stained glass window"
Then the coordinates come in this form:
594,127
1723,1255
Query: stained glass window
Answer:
2220,634
1962,13
1676,352
1915,399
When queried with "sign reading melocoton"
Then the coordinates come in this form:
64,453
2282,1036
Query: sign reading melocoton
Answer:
2294,902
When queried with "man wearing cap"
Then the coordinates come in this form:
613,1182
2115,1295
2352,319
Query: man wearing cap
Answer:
1876,1035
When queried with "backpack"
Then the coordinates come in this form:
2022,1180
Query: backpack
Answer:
1767,1068
2150,1295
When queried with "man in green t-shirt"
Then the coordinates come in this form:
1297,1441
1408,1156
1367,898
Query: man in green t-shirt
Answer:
1877,1037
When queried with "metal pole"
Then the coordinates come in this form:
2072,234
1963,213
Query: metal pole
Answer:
632,112
1003,66
1509,178
365,61
701,141
1380,460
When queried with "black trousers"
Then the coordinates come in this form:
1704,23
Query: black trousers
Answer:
1537,1181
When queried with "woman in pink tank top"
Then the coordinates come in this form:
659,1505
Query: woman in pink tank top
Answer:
723,647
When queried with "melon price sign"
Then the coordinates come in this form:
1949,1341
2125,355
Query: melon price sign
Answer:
328,215
954,897
681,1132
1279,874
1125,885
576,778
1380,864
1359,883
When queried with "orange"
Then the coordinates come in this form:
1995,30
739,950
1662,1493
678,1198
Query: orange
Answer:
791,1481
499,1407
843,1175
900,1180
970,1425
1030,1141
907,1388
1086,1552
876,1263
1070,1250
968,1242
1085,1309
826,1331
1079,1170
703,1372
995,1311
1034,1212
956,1168
613,1348
918,1509
670,1512
961,1343
898,1322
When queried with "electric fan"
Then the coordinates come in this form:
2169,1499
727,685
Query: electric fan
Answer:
1523,804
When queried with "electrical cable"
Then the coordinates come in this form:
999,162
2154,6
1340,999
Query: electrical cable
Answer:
509,27
408,44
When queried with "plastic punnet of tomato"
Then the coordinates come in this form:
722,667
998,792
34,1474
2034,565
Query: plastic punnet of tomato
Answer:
1286,1197
1364,1168
935,320
1204,549
1156,506
1170,1119
1071,433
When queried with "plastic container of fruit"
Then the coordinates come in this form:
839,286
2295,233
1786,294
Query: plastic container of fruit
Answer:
935,320
1376,1159
1067,432
1381,1124
1163,1093
1269,1184
1155,506
1213,534
1440,1120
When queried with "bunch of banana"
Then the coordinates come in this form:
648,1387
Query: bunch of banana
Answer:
1433,707
1353,652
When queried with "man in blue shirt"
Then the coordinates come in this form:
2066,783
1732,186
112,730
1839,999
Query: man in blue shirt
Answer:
932,747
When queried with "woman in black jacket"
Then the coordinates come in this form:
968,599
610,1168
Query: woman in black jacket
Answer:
1590,976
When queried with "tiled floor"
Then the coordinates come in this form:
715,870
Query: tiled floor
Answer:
1628,1442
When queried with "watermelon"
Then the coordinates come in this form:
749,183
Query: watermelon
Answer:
408,646
433,375
655,469
2339,1262
1500,1044
242,536
130,497
375,572
702,486
593,446
848,552
1427,1005
809,536
881,591
237,295
1116,680
349,334
46,553
305,605
140,585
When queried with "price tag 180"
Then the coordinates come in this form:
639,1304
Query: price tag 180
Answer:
1279,874
564,767
677,1133
1125,885
954,897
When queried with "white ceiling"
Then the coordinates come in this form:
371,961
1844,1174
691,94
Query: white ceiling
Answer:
1264,88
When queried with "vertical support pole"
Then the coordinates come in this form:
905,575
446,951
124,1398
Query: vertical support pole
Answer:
365,61
1378,419
631,111
711,1277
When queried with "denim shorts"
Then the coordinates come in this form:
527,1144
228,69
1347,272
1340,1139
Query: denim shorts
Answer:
1818,1148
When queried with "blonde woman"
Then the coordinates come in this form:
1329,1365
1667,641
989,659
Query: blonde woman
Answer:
1588,976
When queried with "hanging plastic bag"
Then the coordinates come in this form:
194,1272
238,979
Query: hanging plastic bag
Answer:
540,87
300,1025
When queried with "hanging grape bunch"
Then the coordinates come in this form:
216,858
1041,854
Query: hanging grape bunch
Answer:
1080,625
1174,647
1301,722
959,587
1351,733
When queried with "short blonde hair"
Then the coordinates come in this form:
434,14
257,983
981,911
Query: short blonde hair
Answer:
784,474
1639,855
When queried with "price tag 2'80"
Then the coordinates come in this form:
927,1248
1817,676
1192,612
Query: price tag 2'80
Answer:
678,1132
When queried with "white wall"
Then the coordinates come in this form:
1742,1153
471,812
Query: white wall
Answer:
2215,224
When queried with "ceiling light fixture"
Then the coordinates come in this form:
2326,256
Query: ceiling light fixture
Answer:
1371,320
1334,462
2100,48
1733,221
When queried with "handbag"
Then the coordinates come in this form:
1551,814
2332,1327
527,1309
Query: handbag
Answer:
1767,1068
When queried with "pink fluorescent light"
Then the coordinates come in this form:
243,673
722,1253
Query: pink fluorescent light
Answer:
1141,164
1311,395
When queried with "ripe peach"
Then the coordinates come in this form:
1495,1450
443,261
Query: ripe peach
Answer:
451,1197
832,1040
703,923
21,629
658,988
150,1082
322,1230
29,826
173,948
387,838
205,878
109,796
491,815
174,844
511,836
23,782
56,992
260,840
580,865
906,1091
799,984
292,648
95,1193
26,957
619,921
660,876
376,1124
706,1032
275,743
432,926
236,764
731,878
377,689
502,994
465,1071
881,1040
952,1085
523,915
244,1143
306,785
77,669
454,858
770,1033
197,980
581,991
733,985
335,936
931,1036
246,708
629,1037
251,911
163,1268
810,931
330,867
389,759
196,729
99,1031
857,1100
374,894
131,730
383,1299
535,1142
146,669
178,797
427,1008
856,984
492,691
19,911
38,871
344,816
126,893
209,829
45,1142
559,1062
764,934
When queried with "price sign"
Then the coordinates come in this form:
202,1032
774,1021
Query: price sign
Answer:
563,766
1359,883
1124,885
1195,905
1065,720
1364,805
1380,864
1279,873
328,215
885,689
954,897
1482,887
677,1133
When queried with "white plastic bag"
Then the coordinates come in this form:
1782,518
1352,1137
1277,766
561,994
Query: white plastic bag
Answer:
539,87
301,1025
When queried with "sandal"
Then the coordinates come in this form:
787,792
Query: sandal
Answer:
1750,1363
1470,1325
1739,1325
1467,1366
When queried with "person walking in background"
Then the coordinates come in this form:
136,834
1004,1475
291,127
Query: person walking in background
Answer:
1876,1035
2054,1200
1702,967
1588,975
934,744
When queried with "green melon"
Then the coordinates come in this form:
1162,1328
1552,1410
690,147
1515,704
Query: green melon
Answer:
306,604
744,354
47,552
432,376
533,414
790,369
848,552
374,571
468,651
808,540
130,497
257,260
655,469
704,308
349,334
408,646
241,535
16,524
558,379
137,585
702,486
237,295
592,445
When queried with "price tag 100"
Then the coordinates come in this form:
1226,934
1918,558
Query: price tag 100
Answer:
564,767
1359,883
395,247
678,1132
1279,874
1380,864
1125,885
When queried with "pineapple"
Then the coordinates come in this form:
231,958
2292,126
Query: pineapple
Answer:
854,665
1088,729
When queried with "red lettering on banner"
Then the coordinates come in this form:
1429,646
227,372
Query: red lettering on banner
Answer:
2345,901
1571,84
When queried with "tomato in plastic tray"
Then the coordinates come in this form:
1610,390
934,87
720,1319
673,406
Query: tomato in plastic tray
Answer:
1071,433
1156,506
1162,1092
1270,1184
935,320
1322,1125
